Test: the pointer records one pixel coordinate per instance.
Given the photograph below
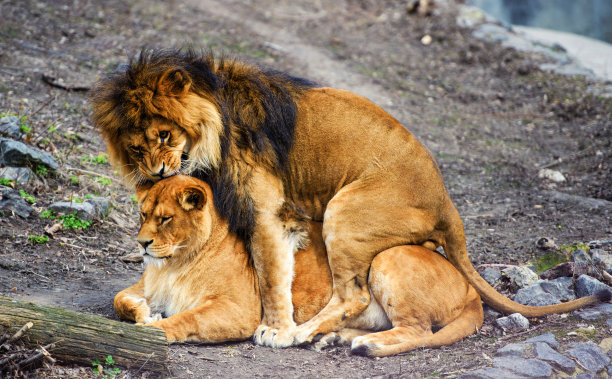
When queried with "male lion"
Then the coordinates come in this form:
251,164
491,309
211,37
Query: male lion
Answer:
264,139
199,276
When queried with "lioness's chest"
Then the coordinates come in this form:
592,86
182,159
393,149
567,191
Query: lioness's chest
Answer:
171,292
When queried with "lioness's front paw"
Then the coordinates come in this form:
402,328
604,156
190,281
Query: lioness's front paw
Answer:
303,334
272,337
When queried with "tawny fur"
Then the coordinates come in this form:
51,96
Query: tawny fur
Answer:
210,292
262,138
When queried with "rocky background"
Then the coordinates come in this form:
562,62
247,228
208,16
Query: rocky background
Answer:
521,132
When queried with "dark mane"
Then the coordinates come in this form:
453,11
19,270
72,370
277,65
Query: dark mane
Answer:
257,107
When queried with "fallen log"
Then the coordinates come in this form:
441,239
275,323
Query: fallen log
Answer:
86,338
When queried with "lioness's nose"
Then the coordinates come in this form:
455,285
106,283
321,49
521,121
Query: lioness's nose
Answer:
144,243
161,172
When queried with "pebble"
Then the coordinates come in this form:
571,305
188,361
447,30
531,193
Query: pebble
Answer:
515,321
15,153
531,368
9,126
586,285
589,356
552,175
546,353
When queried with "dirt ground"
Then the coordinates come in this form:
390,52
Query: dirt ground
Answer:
489,115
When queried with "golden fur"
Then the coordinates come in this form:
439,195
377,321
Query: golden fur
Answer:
210,292
263,139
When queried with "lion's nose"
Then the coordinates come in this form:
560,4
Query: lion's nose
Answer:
144,243
161,172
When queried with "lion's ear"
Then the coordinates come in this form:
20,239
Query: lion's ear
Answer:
142,191
192,198
175,82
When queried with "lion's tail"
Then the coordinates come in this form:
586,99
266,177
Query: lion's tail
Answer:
456,251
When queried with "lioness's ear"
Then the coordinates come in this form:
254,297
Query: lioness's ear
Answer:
175,82
142,190
192,197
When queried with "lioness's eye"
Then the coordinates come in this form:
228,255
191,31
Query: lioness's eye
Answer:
142,216
165,220
134,149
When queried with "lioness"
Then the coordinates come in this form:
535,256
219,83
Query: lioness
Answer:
264,139
199,276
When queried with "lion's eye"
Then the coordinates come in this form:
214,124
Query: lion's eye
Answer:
163,135
134,149
165,220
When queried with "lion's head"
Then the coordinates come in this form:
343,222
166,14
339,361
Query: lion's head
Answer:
157,112
176,219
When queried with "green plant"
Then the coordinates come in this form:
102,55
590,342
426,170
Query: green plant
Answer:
108,369
72,221
134,199
97,160
6,182
74,179
48,213
38,239
29,198
41,170
104,181
549,260
25,129
76,199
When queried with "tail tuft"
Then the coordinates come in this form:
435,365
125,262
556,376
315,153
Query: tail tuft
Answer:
604,295
362,350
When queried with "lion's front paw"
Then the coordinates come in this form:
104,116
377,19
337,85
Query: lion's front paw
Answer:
328,340
303,334
272,337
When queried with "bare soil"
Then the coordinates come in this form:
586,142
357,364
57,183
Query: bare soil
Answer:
489,115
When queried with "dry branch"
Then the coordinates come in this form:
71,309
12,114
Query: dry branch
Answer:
86,338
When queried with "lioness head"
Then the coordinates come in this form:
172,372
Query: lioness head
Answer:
159,116
175,219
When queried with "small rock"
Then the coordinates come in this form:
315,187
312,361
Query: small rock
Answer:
548,338
595,312
606,345
589,356
586,286
513,349
15,153
521,276
535,295
602,258
600,243
426,40
491,274
582,256
11,203
489,373
515,321
568,269
544,352
9,126
531,368
85,211
17,174
546,243
101,205
490,314
552,175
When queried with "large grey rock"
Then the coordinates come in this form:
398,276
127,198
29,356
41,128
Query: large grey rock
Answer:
15,153
560,288
547,338
515,321
589,356
520,276
512,349
9,126
489,373
595,312
580,255
546,353
11,203
535,295
17,174
492,275
85,211
586,286
531,368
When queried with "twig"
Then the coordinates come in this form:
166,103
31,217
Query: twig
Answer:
41,352
42,106
53,82
88,172
558,161
21,331
41,276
